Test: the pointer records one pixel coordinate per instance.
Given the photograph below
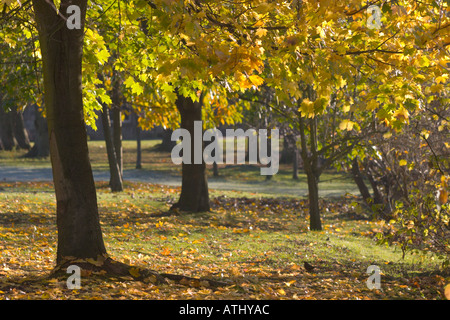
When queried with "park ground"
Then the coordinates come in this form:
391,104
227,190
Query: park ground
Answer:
255,239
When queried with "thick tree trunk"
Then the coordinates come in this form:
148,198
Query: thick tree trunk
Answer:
115,180
194,186
41,148
79,232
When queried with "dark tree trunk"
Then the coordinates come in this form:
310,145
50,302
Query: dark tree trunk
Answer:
315,223
269,151
7,130
138,145
115,181
287,155
20,133
377,197
194,186
295,163
215,169
117,121
78,226
358,178
41,148
167,144
310,165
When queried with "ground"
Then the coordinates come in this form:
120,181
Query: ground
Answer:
256,242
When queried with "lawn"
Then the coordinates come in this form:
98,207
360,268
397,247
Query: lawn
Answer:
255,242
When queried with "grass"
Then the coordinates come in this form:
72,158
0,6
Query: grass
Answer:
258,244
256,237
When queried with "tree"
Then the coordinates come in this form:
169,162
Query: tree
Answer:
79,232
116,181
194,195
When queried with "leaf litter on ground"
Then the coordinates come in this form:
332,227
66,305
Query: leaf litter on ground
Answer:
258,246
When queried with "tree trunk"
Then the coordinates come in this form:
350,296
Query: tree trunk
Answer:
215,169
310,163
194,186
167,144
295,163
117,122
115,180
269,151
315,223
7,130
377,197
138,145
288,153
78,226
41,148
358,178
20,132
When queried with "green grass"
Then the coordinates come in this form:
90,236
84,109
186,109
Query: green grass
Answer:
256,243
246,178
256,236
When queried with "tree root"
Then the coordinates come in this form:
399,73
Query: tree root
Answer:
109,268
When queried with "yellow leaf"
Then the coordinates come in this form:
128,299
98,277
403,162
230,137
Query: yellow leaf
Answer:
282,292
447,291
261,32
442,78
256,80
346,125
401,114
135,272
402,163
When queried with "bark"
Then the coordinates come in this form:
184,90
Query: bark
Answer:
115,181
167,144
138,146
377,197
41,148
215,170
194,195
288,153
310,165
215,167
269,151
78,226
7,130
117,123
313,197
20,133
295,164
358,178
